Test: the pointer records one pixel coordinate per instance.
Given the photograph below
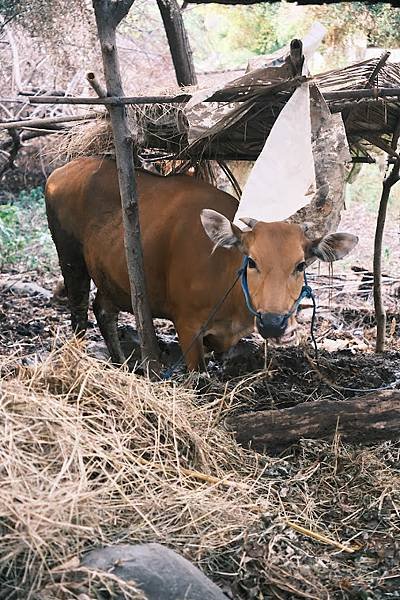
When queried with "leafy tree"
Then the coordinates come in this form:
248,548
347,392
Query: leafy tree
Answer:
385,29
228,35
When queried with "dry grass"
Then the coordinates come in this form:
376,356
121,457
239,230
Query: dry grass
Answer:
83,139
148,125
92,455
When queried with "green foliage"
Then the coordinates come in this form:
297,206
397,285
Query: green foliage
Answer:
27,199
10,244
222,37
9,8
25,240
225,36
385,30
253,27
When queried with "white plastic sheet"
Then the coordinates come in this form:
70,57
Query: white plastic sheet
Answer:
283,177
311,42
282,180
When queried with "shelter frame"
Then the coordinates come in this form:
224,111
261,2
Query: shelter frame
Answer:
339,100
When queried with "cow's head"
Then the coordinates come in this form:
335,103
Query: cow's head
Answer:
278,255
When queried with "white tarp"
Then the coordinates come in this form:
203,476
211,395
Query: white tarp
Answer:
283,177
282,180
311,42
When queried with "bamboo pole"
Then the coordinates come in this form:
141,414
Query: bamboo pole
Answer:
110,100
220,96
378,67
359,94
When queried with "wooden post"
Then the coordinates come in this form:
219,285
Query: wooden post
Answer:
108,15
295,57
380,312
392,178
178,41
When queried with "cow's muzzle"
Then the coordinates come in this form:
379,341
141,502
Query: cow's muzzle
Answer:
272,325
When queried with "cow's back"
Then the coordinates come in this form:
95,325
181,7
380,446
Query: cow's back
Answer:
83,198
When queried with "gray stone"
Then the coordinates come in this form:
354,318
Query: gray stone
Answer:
24,288
161,573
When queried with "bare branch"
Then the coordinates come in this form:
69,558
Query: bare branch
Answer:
12,153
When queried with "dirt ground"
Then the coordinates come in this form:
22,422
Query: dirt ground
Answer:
33,321
349,491
31,324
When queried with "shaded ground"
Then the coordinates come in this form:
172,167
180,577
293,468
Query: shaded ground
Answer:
350,493
30,325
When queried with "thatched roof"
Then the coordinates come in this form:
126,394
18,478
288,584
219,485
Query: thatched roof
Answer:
233,121
238,128
242,132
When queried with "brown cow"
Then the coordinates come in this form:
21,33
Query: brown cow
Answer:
186,273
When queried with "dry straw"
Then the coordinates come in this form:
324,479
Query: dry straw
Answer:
148,124
91,455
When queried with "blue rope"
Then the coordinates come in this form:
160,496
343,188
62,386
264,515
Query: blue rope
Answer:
306,292
245,287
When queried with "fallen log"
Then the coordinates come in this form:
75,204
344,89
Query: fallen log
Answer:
366,419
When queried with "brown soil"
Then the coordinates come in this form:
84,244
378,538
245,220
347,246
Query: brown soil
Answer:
351,503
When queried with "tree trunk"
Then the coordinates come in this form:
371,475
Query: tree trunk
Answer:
178,42
367,419
108,15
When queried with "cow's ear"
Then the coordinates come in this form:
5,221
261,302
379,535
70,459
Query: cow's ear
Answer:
220,230
332,247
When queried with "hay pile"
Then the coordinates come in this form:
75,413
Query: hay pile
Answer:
92,455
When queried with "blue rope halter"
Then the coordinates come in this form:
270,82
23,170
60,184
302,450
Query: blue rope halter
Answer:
306,292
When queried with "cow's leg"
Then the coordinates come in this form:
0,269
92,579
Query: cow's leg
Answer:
107,319
75,273
77,286
191,345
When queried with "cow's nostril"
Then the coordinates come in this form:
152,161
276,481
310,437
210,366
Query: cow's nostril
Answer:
272,325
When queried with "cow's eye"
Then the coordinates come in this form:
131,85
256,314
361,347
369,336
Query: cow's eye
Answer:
301,267
252,264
